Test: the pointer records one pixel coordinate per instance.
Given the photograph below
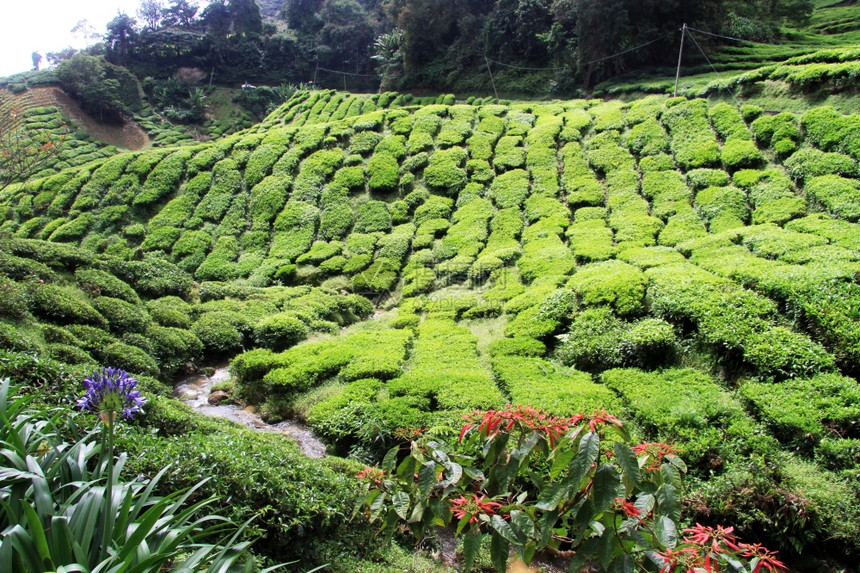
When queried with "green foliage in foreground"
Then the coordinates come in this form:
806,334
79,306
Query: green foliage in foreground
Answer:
56,508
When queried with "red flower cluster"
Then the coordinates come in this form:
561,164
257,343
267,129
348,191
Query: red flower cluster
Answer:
473,507
762,558
688,560
375,475
655,451
408,434
717,537
490,423
627,507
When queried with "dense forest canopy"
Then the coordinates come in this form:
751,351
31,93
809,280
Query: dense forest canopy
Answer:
423,44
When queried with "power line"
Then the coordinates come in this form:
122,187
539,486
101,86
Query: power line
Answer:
625,51
520,67
713,68
729,37
348,73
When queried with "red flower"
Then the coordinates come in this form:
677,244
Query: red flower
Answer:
491,422
375,475
687,560
656,451
628,507
473,507
762,557
717,537
602,417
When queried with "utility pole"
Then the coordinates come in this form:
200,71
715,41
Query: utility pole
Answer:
680,53
496,93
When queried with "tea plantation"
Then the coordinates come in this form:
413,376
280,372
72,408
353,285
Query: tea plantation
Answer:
373,263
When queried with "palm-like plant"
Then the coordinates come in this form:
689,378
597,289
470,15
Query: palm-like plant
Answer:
58,513
389,53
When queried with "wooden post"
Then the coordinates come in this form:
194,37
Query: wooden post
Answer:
492,81
680,53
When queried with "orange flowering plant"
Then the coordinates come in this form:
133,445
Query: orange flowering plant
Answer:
572,486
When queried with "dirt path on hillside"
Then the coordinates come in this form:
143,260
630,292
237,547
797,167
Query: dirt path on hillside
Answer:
127,136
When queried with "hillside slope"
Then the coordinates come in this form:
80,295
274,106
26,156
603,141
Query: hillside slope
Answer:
691,267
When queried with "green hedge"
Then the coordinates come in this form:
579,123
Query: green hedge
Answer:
614,283
558,391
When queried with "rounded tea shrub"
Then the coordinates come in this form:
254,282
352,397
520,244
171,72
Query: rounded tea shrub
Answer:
280,331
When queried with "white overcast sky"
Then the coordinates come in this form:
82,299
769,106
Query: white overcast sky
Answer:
45,26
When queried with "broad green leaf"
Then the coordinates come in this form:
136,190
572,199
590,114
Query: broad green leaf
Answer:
671,475
668,502
622,564
499,548
377,504
400,501
551,496
522,523
629,464
606,484
606,547
471,545
390,459
666,532
426,478
504,529
37,534
677,462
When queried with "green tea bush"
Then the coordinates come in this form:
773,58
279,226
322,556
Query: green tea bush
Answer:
220,263
130,358
364,142
693,143
715,201
280,331
509,153
445,368
444,174
546,256
517,346
802,411
648,138
266,201
610,282
320,251
350,177
96,282
838,195
740,153
454,132
382,171
558,391
173,348
807,163
226,182
379,277
63,306
261,161
218,332
680,227
73,230
122,316
591,240
336,221
782,353
510,189
163,179
372,216
780,132
703,178
696,418
435,207
825,127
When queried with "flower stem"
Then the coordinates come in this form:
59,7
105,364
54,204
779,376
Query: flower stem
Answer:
109,515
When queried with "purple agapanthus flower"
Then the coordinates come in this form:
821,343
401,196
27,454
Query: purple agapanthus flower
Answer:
112,391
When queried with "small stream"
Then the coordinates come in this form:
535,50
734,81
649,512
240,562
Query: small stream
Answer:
195,389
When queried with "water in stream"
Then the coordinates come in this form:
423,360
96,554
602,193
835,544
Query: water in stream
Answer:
195,389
